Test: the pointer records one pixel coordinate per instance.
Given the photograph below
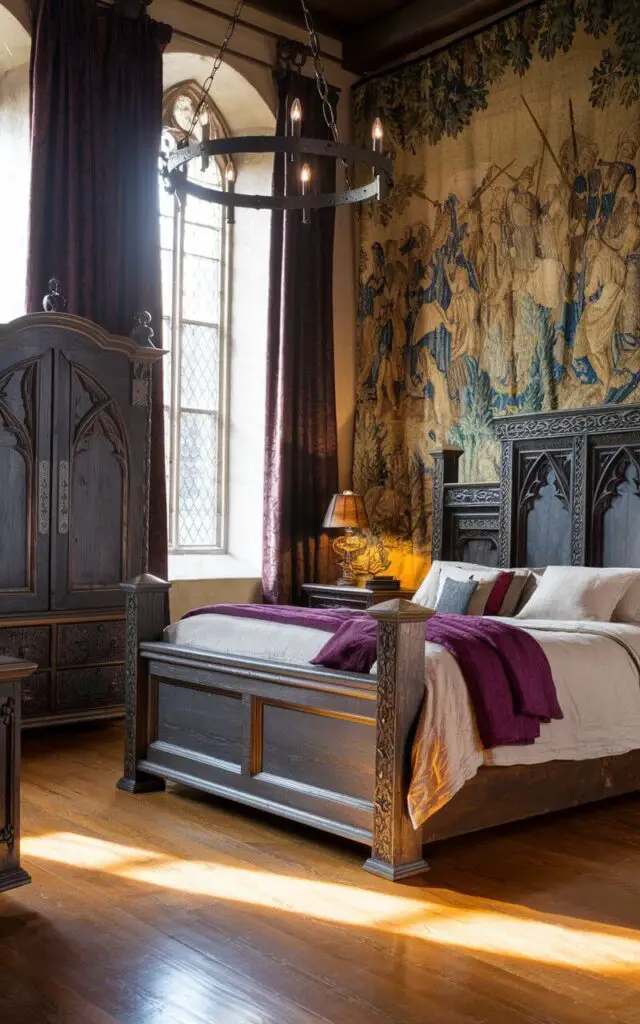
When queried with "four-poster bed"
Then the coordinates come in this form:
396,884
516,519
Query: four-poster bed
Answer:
332,749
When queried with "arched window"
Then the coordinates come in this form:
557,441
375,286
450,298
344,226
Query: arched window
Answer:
195,243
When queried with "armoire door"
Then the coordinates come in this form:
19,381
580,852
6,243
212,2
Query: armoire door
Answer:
97,499
25,477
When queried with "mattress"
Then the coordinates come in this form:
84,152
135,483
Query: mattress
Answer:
595,666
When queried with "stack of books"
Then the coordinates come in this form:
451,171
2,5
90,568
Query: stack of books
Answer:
383,583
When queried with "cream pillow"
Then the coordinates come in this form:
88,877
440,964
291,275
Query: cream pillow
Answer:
628,609
575,592
427,592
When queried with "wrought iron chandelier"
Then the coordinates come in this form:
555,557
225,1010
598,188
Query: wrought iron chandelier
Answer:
294,143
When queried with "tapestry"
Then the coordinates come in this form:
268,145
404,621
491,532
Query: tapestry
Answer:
502,273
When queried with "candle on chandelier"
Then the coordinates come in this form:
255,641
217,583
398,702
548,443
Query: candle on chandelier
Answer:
377,134
295,116
230,178
305,181
205,128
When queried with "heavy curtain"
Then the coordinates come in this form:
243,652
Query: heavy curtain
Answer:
502,274
301,462
96,122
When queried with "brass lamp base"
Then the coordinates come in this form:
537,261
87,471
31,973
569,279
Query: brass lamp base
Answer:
347,548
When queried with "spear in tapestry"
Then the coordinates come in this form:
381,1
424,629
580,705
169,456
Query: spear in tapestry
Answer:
574,137
547,144
483,188
544,150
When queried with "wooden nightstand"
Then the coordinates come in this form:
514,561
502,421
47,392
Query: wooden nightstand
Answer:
330,595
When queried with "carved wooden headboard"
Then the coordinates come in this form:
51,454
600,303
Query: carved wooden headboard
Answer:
569,493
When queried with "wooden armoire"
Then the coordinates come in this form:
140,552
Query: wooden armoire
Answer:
74,455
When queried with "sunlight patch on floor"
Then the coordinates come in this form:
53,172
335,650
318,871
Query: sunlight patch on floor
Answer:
460,922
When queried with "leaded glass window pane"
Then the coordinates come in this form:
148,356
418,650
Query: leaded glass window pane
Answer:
192,238
199,367
197,481
200,289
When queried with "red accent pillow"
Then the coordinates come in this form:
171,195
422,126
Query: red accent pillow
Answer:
498,593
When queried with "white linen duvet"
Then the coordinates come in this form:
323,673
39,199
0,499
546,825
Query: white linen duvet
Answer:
595,667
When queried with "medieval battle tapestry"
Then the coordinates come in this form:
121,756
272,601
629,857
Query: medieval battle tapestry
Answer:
502,274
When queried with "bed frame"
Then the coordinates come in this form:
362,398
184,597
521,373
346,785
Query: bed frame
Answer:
331,749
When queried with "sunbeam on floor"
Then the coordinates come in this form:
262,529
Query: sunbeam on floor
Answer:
492,928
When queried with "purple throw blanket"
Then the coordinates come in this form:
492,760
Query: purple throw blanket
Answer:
506,671
327,619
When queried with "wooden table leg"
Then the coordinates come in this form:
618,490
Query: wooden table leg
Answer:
12,672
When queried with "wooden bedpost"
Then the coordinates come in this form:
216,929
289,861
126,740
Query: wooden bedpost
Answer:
397,846
147,615
445,471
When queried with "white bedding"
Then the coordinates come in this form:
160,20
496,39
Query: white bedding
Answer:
595,666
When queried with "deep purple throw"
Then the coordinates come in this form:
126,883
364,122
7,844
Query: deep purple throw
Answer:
327,619
506,671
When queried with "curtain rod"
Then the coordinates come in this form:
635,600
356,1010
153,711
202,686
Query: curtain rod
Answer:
444,44
269,33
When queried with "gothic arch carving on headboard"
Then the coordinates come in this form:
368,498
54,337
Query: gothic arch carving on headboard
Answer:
616,480
546,468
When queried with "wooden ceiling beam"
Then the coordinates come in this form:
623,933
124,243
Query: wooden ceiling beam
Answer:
291,12
416,26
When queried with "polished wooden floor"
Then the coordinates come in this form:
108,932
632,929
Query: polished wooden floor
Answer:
176,909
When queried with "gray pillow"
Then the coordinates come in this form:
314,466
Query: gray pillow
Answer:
455,596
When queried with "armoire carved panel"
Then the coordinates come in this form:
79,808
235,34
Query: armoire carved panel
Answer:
72,464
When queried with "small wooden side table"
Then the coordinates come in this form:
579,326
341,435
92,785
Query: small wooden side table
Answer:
330,595
12,672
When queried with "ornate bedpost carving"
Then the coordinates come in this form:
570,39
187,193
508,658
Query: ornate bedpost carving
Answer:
579,501
507,508
396,845
445,471
147,613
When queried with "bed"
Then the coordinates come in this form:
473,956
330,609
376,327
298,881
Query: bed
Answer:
252,721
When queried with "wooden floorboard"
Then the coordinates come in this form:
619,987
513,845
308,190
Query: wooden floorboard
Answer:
181,909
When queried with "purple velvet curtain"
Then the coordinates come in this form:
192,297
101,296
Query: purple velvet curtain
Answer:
301,461
96,123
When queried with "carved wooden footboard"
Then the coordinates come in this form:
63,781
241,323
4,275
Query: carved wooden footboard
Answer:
328,749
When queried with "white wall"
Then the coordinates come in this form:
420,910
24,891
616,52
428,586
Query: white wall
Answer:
14,189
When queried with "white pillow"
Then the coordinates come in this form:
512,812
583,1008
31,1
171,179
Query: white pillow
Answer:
427,592
485,578
575,592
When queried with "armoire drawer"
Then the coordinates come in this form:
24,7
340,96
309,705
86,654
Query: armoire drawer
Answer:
36,695
33,643
82,689
89,643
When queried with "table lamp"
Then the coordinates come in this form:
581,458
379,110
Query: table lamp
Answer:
347,513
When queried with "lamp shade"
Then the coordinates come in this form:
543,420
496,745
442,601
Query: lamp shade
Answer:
346,511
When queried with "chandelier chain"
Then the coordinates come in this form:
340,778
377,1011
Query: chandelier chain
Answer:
321,81
206,88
